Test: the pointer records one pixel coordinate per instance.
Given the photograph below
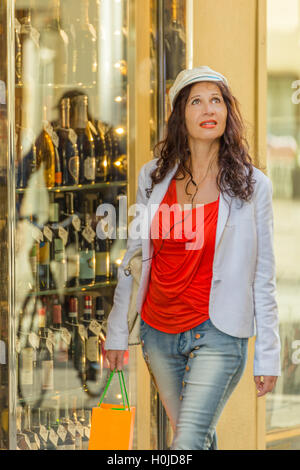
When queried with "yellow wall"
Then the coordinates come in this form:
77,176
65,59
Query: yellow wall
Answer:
283,33
230,38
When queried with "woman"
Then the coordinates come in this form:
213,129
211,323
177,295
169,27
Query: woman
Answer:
204,288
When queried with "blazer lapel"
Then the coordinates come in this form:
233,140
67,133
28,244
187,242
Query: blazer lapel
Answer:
224,209
155,199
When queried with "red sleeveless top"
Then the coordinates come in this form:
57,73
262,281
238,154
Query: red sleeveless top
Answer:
181,271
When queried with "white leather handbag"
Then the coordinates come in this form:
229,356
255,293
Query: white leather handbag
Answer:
134,269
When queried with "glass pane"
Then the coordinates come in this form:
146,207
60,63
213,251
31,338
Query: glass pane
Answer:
71,157
174,41
4,328
283,405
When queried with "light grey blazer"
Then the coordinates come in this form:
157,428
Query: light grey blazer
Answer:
243,289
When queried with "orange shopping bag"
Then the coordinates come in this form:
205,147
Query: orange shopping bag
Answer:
112,426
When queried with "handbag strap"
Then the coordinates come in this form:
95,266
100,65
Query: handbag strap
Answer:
122,387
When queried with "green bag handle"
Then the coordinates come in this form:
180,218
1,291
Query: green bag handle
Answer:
122,387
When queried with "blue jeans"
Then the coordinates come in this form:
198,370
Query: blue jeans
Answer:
195,373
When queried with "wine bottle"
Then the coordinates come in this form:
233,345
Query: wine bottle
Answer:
38,428
102,251
58,263
23,442
37,237
47,153
45,302
118,157
33,437
85,140
121,214
33,257
69,438
78,428
102,157
61,341
87,428
69,27
28,366
27,44
54,39
57,431
87,251
44,259
26,347
26,156
25,146
68,150
108,149
82,425
100,316
85,64
99,313
72,247
52,440
175,45
41,422
92,342
45,353
119,245
77,331
102,247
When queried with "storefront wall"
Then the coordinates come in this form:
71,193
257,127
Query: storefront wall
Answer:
230,37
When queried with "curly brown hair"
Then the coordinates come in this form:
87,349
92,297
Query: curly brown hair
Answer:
233,158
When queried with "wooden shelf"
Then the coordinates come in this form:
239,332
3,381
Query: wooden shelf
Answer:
78,289
79,187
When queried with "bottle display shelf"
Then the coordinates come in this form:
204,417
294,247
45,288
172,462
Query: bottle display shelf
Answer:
77,289
79,187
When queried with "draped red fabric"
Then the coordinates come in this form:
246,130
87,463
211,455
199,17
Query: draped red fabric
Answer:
181,271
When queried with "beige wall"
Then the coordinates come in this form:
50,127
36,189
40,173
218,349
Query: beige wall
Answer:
284,32
230,38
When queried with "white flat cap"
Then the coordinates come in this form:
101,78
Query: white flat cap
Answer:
195,75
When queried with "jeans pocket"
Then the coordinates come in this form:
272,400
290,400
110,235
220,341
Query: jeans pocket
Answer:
229,342
143,329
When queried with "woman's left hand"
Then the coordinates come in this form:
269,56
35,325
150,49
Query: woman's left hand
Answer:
264,384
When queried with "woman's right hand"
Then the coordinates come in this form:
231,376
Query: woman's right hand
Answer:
115,358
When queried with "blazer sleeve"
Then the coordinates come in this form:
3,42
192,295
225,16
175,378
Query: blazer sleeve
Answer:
117,325
267,343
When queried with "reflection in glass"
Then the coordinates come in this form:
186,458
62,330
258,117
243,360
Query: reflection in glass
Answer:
174,43
283,163
54,47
